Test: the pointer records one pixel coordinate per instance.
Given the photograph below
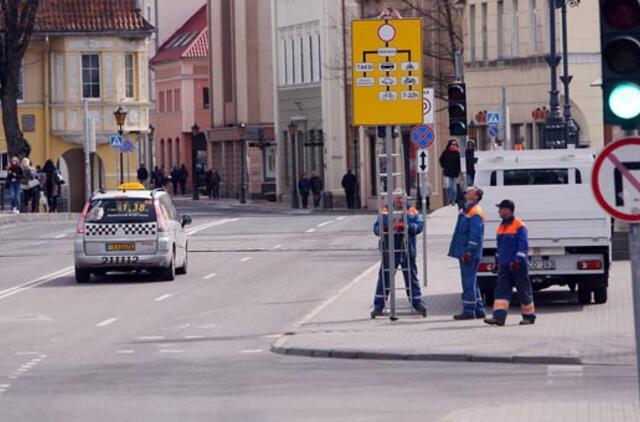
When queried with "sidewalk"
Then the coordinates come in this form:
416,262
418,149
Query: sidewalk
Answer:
7,217
565,333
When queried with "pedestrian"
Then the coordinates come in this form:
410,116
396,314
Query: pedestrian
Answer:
316,189
470,163
41,176
208,182
512,263
53,186
14,181
183,176
405,260
215,181
426,190
174,176
450,163
466,247
304,187
28,186
143,174
349,184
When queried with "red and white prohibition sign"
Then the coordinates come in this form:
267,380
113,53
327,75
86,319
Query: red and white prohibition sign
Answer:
616,179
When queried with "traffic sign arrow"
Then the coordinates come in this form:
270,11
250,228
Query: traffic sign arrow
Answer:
423,161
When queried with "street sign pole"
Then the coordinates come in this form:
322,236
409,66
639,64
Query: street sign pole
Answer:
87,151
388,143
634,253
423,183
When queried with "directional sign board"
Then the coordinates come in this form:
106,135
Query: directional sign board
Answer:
116,141
616,179
422,136
428,101
493,118
387,72
422,160
493,131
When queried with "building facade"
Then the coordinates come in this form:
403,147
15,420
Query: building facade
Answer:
97,54
506,42
181,69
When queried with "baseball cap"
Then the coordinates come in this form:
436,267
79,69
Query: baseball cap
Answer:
507,203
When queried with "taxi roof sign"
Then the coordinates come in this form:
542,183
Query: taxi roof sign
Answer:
387,72
132,186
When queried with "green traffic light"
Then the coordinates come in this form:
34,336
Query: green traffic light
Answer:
624,100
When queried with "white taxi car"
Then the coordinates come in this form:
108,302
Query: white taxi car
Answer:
131,229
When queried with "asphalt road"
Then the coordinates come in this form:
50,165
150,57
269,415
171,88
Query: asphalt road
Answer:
130,348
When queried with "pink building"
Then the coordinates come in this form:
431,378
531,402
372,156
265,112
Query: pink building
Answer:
181,68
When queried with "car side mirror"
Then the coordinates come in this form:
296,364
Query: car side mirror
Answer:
185,220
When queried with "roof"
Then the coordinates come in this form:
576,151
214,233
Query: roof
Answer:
189,41
70,16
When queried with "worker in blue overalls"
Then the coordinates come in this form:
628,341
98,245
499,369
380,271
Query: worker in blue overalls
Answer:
466,247
512,261
407,263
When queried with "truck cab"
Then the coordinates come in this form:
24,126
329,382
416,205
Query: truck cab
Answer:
569,234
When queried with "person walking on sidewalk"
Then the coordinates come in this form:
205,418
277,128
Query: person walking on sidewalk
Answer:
512,261
470,163
350,184
406,261
316,189
215,184
143,174
450,163
183,176
466,247
174,176
14,181
304,187
53,184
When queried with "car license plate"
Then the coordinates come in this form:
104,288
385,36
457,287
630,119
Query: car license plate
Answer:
121,247
542,264
120,260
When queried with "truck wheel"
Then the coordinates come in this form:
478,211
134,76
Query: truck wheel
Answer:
600,295
82,275
584,296
488,297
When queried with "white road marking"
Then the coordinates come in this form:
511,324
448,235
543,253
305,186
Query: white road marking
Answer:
26,353
163,297
564,371
326,223
311,230
251,351
34,283
206,226
171,351
245,259
193,337
143,338
125,352
272,336
209,276
342,217
60,236
106,322
278,246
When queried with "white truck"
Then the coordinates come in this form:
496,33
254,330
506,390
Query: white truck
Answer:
569,234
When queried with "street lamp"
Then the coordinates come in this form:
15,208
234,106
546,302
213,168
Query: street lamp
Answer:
121,117
554,125
293,133
195,132
570,128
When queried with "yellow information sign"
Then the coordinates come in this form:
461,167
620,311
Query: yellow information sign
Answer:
387,72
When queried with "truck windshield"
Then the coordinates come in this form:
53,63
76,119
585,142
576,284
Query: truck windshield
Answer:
529,177
121,210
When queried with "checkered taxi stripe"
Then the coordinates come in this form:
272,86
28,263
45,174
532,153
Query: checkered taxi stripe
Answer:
99,230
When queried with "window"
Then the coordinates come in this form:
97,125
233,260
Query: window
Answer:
269,164
311,61
515,30
4,161
161,101
319,59
178,151
130,75
91,76
176,101
529,177
205,97
500,29
162,153
533,31
302,79
485,30
169,102
293,62
472,31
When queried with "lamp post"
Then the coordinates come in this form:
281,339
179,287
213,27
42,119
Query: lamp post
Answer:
554,125
243,165
570,128
195,132
293,133
121,117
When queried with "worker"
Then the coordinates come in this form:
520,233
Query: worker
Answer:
466,247
407,262
512,262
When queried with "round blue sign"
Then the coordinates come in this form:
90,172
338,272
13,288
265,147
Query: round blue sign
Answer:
493,131
422,136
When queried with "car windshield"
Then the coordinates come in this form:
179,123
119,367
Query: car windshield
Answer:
121,210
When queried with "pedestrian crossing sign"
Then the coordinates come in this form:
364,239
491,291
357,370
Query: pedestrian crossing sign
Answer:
493,118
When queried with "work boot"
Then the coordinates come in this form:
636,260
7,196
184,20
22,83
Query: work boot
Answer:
463,317
376,313
493,321
421,310
527,321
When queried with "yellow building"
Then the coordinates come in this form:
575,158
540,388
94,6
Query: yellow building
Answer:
78,53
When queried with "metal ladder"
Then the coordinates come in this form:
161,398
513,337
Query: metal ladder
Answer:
389,153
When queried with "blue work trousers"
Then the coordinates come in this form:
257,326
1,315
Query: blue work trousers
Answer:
411,282
16,195
472,304
507,280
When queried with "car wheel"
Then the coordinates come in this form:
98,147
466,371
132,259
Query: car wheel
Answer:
82,275
584,296
488,297
600,295
183,270
169,273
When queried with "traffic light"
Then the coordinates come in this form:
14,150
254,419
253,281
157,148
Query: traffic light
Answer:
457,109
620,43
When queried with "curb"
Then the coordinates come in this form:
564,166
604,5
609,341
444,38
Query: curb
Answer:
425,357
35,218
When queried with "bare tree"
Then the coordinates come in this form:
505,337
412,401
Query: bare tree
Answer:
17,21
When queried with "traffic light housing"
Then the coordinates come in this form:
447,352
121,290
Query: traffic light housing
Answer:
457,109
620,46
